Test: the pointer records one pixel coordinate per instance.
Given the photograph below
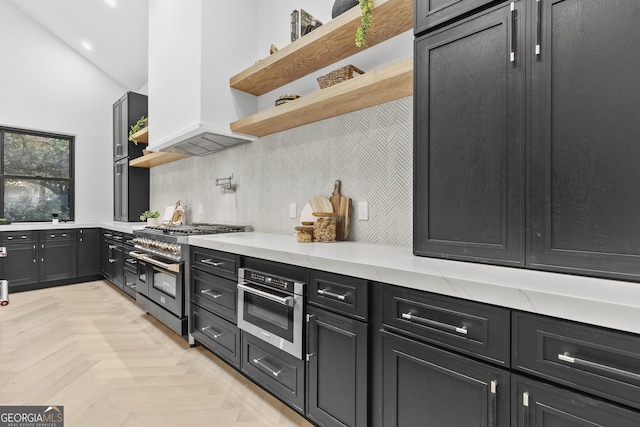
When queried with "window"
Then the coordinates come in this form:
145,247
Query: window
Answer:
37,175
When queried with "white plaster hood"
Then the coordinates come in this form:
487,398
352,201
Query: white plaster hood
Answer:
194,48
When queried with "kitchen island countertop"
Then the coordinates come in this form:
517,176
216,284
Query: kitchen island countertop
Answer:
609,303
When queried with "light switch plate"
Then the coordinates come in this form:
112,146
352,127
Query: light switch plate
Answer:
293,210
363,211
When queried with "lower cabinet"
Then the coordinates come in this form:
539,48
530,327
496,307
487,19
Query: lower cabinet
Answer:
88,252
276,371
217,334
542,405
112,258
58,255
337,369
427,386
20,267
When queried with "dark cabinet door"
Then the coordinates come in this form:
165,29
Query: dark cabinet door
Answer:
120,178
118,149
541,405
429,13
426,386
88,252
108,262
469,175
337,370
20,267
118,266
585,137
126,112
58,259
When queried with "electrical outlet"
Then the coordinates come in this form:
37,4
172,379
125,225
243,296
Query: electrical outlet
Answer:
293,210
363,211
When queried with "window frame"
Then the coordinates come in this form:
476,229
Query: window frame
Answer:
70,179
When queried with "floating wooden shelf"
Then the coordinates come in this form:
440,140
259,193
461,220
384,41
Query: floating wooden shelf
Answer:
324,46
386,84
142,135
156,159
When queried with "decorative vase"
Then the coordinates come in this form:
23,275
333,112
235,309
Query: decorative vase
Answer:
341,6
152,221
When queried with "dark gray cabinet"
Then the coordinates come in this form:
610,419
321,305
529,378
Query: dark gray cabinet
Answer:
20,267
130,185
337,369
214,302
427,386
565,160
58,255
431,13
88,252
112,257
537,404
469,185
585,178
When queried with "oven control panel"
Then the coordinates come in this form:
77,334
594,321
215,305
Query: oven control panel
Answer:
270,281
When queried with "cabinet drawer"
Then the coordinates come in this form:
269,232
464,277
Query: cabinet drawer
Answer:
215,262
113,236
216,294
58,235
218,335
277,371
16,237
130,263
599,361
347,295
129,285
430,13
472,328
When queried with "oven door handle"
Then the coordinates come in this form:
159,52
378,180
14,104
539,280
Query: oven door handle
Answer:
143,257
288,301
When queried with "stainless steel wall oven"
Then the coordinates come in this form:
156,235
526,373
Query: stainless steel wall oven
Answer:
272,308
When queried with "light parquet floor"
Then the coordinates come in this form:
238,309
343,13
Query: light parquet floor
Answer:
89,348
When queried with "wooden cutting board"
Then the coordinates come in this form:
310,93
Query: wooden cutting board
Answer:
342,206
321,204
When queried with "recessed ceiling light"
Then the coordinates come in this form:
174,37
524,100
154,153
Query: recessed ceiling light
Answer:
111,3
86,45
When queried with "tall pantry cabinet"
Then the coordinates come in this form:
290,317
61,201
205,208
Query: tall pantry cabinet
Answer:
527,134
130,184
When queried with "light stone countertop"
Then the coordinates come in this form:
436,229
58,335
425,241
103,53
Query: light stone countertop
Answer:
124,227
609,303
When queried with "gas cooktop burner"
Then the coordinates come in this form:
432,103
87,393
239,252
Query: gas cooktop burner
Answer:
195,229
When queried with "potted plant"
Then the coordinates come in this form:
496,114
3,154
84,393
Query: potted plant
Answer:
150,216
366,24
140,124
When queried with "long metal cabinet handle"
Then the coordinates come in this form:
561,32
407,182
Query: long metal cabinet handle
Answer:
538,26
493,388
210,293
267,368
288,301
215,334
213,263
333,295
565,357
514,32
525,409
428,322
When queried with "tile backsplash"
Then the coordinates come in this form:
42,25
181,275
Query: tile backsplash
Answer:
370,151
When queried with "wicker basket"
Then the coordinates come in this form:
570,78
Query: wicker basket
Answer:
337,76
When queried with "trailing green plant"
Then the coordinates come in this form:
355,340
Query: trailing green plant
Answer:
366,23
149,214
140,124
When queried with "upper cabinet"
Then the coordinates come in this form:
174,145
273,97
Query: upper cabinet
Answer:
324,46
526,138
126,112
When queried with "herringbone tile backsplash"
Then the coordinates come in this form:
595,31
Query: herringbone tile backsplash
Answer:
370,151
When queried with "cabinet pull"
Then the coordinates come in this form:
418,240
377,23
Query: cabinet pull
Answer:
525,409
53,236
333,295
429,322
210,293
538,26
493,388
208,261
215,334
598,366
514,33
268,369
131,285
23,237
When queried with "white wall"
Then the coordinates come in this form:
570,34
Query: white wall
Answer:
45,85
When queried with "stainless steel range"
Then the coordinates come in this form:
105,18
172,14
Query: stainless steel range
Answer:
163,269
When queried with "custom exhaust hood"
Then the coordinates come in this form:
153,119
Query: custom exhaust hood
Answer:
194,48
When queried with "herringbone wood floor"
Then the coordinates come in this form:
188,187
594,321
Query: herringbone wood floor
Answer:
89,348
